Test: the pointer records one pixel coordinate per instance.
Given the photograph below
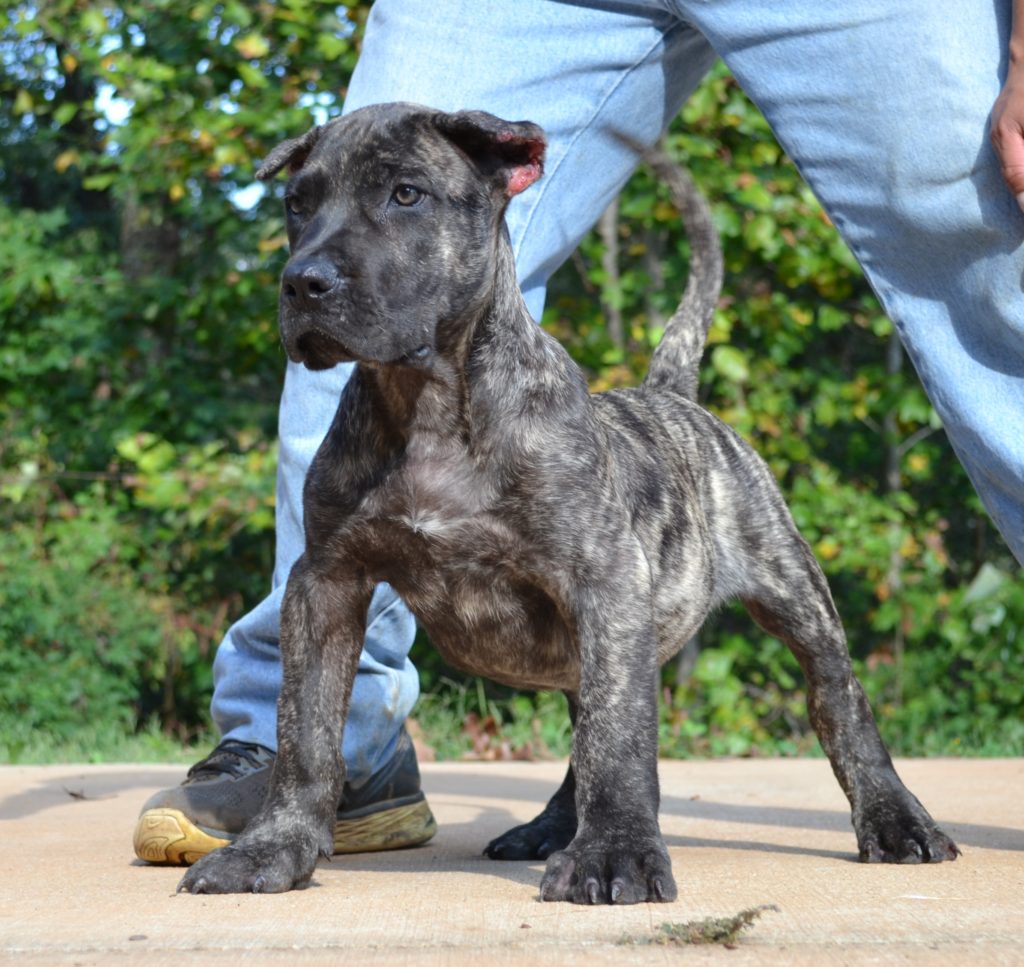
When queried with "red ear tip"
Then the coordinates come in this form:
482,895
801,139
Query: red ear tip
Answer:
522,177
525,174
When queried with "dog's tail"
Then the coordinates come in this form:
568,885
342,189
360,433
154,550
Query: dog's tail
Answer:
676,362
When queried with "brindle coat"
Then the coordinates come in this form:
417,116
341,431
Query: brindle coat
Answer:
544,537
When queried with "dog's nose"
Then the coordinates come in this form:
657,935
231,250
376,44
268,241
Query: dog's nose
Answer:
309,280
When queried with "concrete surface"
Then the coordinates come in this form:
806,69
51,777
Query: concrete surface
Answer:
741,833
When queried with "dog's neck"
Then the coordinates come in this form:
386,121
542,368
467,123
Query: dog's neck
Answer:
435,400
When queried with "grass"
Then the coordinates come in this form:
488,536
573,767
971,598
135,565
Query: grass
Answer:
470,719
460,719
456,720
97,744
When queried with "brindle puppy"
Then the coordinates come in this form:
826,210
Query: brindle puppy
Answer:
544,537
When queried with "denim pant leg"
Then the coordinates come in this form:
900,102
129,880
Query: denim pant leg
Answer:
885,106
628,70
247,669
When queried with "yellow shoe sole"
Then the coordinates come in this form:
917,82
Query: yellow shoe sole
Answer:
168,836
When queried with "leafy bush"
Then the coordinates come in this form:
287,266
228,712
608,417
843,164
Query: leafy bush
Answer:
87,643
958,686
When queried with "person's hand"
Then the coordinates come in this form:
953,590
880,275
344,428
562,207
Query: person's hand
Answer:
1008,131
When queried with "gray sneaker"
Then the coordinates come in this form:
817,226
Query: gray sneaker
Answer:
222,792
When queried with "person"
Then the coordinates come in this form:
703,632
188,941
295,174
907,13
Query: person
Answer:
884,107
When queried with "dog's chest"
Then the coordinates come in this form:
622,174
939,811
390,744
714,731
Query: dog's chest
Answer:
443,538
440,492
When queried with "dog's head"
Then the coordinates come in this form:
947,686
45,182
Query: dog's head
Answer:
393,216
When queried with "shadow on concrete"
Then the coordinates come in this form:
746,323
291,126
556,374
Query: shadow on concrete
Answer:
68,791
966,834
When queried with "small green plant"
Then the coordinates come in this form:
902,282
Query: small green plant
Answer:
710,930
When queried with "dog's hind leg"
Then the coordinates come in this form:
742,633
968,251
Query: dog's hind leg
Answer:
547,833
791,600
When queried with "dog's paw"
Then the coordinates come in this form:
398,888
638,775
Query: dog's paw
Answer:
250,868
899,830
535,840
584,873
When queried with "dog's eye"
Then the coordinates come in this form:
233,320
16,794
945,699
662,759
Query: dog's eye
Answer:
406,195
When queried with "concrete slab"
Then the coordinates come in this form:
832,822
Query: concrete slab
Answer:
741,833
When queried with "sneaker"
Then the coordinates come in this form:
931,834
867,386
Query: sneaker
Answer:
225,790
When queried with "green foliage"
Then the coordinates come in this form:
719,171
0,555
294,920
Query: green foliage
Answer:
140,370
103,741
88,644
958,686
743,695
462,718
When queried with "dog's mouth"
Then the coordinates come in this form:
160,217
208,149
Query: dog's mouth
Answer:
318,350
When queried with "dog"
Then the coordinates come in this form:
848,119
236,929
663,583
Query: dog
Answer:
543,537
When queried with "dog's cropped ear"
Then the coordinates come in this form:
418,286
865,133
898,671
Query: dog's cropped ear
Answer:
509,153
292,153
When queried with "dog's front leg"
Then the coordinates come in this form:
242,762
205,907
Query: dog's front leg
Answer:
618,854
323,620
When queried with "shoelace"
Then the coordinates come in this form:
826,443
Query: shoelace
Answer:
231,757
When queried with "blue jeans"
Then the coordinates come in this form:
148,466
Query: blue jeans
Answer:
884,107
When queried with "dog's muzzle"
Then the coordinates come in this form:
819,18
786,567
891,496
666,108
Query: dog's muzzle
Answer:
314,295
317,350
310,291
